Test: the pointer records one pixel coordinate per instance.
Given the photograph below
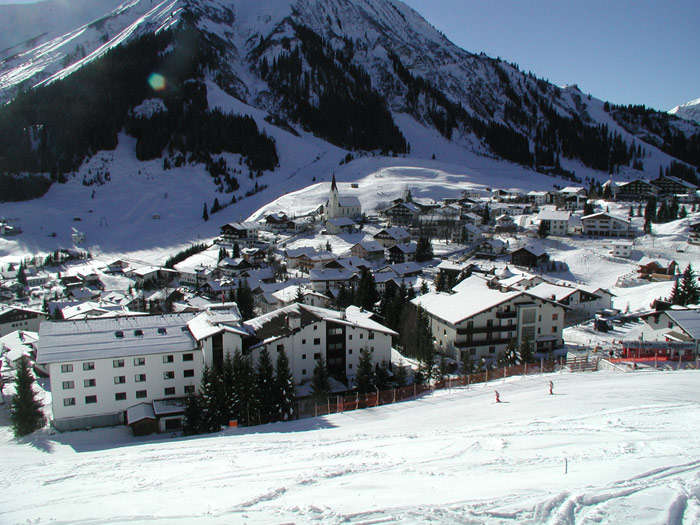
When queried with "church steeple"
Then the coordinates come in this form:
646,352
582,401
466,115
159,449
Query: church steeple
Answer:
334,186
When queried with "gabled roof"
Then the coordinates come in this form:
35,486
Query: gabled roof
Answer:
534,249
347,201
455,308
601,214
340,222
554,215
394,232
331,274
688,320
370,246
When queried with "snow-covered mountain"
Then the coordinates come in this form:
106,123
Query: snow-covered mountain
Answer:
689,110
154,90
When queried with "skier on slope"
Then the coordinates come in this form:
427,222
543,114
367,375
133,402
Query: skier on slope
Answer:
498,397
551,388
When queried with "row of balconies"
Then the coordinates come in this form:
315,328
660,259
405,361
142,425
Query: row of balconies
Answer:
484,342
486,329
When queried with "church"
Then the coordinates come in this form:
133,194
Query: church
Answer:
339,206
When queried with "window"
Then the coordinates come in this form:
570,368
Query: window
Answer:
90,400
492,349
169,375
189,389
371,349
317,355
350,337
167,358
362,336
317,341
87,383
140,378
89,365
162,331
69,402
315,327
120,396
371,335
350,352
187,357
303,372
472,351
335,331
554,329
555,317
118,363
68,385
138,333
188,373
119,380
350,367
280,348
303,356
303,341
170,391
119,334
139,361
66,368
140,394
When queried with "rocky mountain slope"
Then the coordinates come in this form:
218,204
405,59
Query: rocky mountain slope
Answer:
689,110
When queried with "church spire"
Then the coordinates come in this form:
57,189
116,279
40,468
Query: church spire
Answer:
334,186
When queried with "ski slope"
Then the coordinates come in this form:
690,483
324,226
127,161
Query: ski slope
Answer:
631,444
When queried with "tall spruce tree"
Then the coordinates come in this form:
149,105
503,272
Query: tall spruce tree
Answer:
244,380
285,391
265,388
25,409
228,388
244,300
689,287
210,391
367,295
425,344
320,382
192,423
364,378
424,249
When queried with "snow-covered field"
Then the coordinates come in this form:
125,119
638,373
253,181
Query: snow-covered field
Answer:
606,448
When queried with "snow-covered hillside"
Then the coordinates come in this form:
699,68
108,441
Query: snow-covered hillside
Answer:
606,448
689,110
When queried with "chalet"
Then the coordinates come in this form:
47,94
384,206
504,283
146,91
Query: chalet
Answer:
577,299
402,213
401,253
16,345
621,248
403,270
636,190
603,224
492,247
651,268
555,222
241,233
670,185
481,322
389,237
278,222
472,218
289,295
195,276
694,233
100,368
307,263
571,198
14,318
254,256
538,198
530,256
309,334
295,255
330,279
470,234
505,223
340,225
231,267
369,250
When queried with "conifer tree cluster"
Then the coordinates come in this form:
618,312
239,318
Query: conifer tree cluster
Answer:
25,408
686,291
249,393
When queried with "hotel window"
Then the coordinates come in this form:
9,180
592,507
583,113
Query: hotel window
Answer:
140,378
139,361
189,389
87,383
170,391
89,365
187,357
68,385
303,372
118,363
280,348
317,341
555,317
119,380
66,368
69,402
317,355
120,396
188,373
168,358
169,375
303,356
140,394
90,400
371,335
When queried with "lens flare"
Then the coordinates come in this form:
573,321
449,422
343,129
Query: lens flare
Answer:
157,82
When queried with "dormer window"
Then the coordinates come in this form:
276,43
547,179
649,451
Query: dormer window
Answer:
138,333
162,331
119,334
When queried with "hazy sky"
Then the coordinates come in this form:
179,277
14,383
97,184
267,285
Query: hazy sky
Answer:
626,51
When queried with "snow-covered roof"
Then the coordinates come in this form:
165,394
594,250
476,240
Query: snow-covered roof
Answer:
534,249
663,263
551,291
408,248
554,215
168,407
394,232
455,308
341,222
348,201
602,214
67,341
139,412
573,189
330,274
371,246
688,320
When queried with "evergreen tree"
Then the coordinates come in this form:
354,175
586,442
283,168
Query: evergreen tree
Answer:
543,229
228,388
205,214
192,423
676,296
400,376
25,409
223,253
299,298
320,382
285,391
441,281
367,294
425,344
244,401
424,249
424,288
650,210
381,377
364,379
244,300
211,393
236,251
683,213
689,287
467,363
265,388
526,351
